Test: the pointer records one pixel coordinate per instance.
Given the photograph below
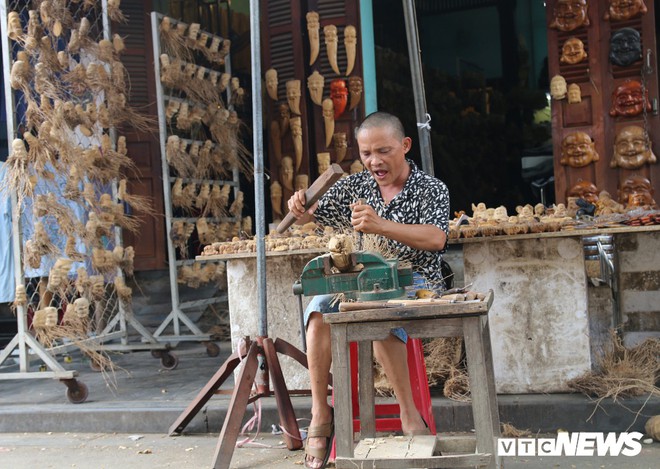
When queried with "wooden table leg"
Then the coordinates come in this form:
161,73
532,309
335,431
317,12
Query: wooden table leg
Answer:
484,407
342,389
366,389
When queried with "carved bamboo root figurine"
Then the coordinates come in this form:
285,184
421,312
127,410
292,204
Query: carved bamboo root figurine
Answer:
296,135
341,145
293,95
313,33
355,91
271,83
330,33
315,85
350,43
328,120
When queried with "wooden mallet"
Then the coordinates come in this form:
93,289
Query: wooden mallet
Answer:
314,193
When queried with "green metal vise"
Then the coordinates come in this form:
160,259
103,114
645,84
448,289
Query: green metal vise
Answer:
370,277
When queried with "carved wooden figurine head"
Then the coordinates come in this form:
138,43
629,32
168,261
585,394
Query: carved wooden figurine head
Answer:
584,190
286,172
578,150
558,87
636,191
625,47
628,99
271,83
625,9
570,15
632,148
293,95
574,93
355,87
572,52
323,160
315,84
302,182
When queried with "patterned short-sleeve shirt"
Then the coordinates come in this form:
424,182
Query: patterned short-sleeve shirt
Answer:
424,200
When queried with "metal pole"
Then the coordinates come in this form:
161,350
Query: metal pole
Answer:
423,127
258,144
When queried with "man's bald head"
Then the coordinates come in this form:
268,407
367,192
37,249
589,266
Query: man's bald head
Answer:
382,120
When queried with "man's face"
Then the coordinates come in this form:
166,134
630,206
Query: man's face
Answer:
628,99
384,155
573,51
631,148
570,14
636,189
625,47
578,150
626,9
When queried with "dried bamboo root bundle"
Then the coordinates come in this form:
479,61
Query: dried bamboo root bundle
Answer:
76,79
237,92
171,109
58,280
203,168
48,54
124,292
218,199
96,229
128,261
45,82
189,193
71,250
114,11
177,192
20,298
179,234
55,16
43,320
177,158
18,174
237,205
172,40
202,199
20,77
183,118
138,203
42,242
103,260
15,28
47,205
119,112
246,226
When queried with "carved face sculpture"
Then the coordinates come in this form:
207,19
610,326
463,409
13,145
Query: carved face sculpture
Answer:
558,87
287,172
577,150
574,94
323,160
584,190
632,148
302,182
636,191
271,83
313,24
315,85
629,100
625,9
339,96
355,87
625,47
572,52
570,15
293,95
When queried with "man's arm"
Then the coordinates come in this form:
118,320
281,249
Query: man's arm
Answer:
423,237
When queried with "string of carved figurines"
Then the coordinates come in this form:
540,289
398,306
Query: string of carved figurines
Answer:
286,129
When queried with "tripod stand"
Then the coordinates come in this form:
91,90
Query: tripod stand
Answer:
259,359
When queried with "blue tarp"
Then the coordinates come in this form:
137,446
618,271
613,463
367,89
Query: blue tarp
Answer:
7,283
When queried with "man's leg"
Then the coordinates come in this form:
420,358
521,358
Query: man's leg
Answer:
392,354
319,359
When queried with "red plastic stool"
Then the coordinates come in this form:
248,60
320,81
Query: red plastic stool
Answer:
385,413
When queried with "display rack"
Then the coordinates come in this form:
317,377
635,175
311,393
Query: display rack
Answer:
108,309
173,327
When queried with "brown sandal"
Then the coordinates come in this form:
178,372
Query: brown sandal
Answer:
327,431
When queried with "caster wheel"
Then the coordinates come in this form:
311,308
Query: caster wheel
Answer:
212,349
169,361
43,367
67,359
77,394
157,353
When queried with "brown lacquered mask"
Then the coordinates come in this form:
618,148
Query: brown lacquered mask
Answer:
570,15
625,9
339,96
577,150
632,148
629,100
584,190
636,190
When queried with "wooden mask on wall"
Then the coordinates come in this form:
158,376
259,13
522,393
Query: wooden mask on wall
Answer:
625,47
570,15
572,52
578,150
620,10
628,99
632,148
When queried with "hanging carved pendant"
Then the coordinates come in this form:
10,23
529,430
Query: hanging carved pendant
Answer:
315,84
330,33
313,32
341,145
328,120
296,135
355,90
293,95
271,83
350,43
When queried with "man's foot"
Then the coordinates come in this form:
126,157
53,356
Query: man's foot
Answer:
319,438
414,426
